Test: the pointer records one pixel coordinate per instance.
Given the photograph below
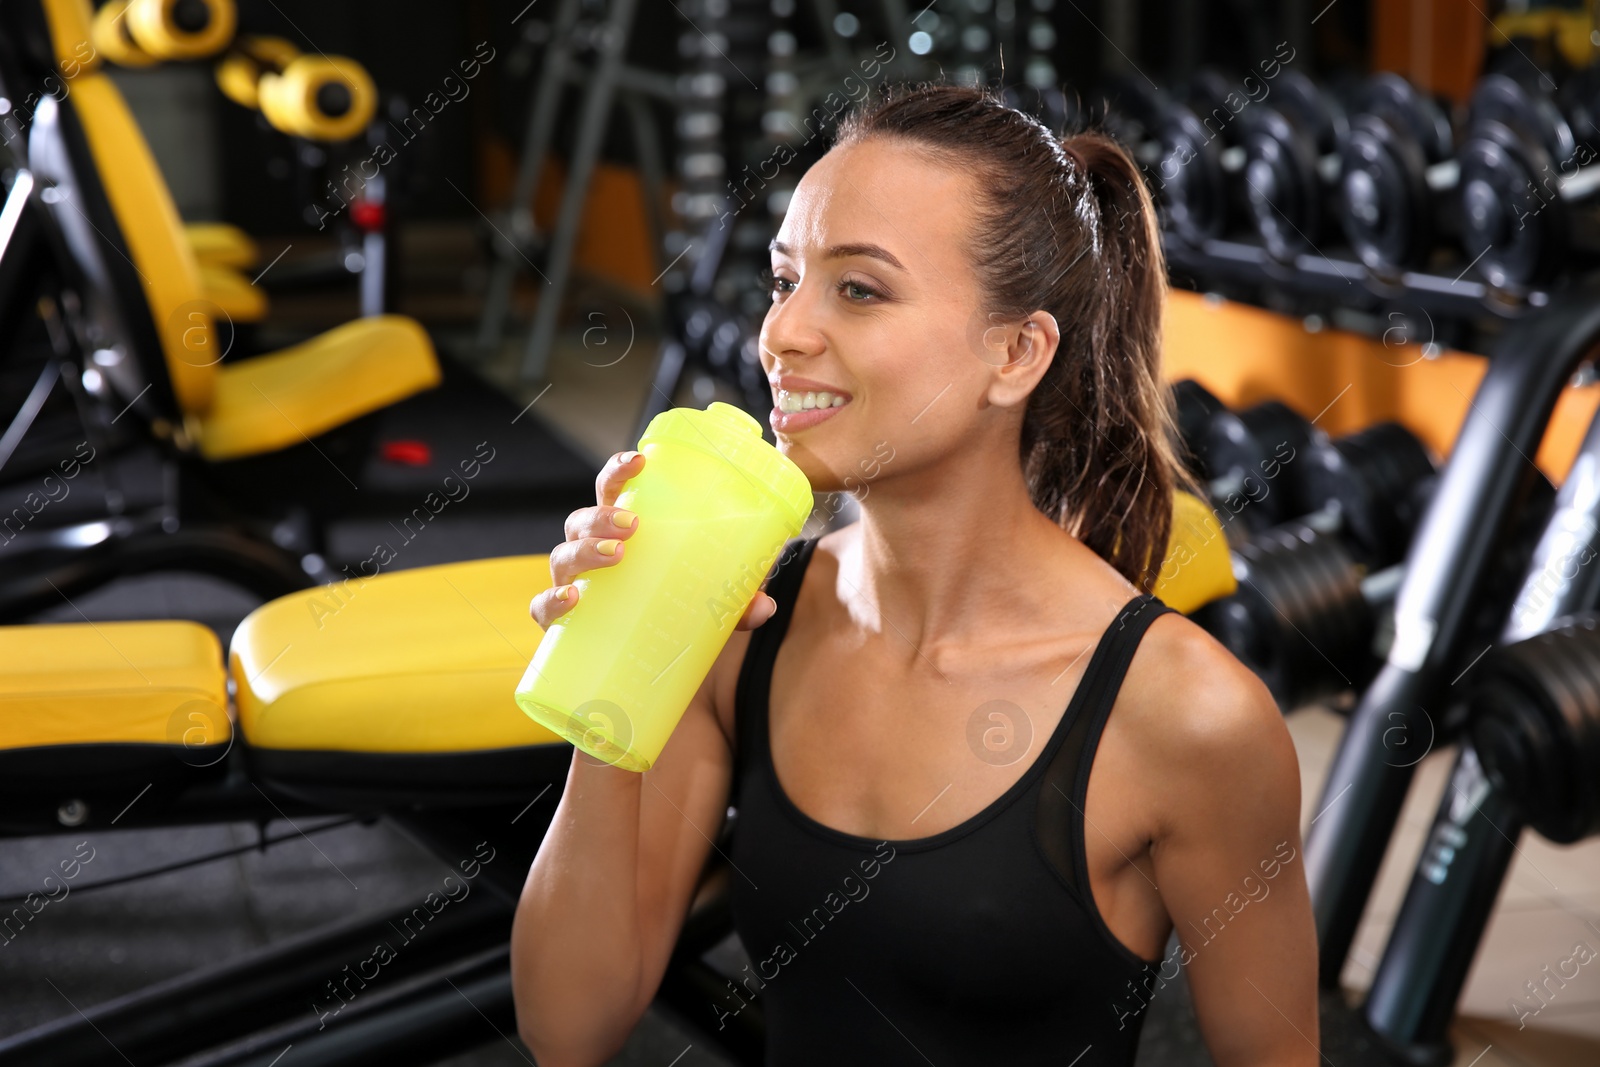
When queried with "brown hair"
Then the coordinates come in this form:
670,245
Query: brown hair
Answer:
1065,224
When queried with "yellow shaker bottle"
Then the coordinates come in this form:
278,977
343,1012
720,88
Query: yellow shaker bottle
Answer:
716,504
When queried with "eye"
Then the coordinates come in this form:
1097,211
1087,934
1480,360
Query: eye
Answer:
770,283
846,284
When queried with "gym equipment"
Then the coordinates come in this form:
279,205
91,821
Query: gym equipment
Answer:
1292,141
1312,618
1471,510
1187,152
221,244
113,39
1270,456
1247,453
322,108
132,344
1394,171
1304,614
606,80
1530,186
180,29
706,343
1311,592
1530,756
1377,482
1197,569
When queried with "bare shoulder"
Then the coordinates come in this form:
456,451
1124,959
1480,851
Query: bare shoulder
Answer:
1203,725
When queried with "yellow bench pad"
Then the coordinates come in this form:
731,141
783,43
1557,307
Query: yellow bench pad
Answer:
232,293
274,401
418,661
156,683
221,244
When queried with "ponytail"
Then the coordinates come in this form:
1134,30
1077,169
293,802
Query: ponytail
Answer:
1103,462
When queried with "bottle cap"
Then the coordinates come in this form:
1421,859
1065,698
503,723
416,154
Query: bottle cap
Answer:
730,433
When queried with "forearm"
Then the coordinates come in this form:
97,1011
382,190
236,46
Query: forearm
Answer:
576,941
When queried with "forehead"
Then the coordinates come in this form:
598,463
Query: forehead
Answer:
885,194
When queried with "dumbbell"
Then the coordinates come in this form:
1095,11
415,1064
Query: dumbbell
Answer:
1529,187
1311,619
317,97
1311,591
1375,484
142,33
1292,142
1531,756
1395,171
1187,152
1241,458
1370,479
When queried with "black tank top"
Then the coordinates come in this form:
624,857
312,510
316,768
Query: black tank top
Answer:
978,945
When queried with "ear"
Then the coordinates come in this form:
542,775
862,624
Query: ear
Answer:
1019,354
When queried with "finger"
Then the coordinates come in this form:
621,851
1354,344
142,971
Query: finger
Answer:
600,520
762,608
618,469
572,558
548,605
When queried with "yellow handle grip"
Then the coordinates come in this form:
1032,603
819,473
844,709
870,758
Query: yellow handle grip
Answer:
181,29
109,35
323,98
239,72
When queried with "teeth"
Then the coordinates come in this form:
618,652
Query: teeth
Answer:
791,402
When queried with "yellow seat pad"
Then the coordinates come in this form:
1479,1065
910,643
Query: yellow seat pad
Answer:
235,298
154,683
1198,566
221,244
272,401
418,661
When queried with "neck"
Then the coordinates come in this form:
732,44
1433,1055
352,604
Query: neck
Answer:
946,555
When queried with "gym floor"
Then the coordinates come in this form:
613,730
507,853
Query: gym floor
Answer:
90,947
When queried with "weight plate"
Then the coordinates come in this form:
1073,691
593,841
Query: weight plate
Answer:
1513,223
1391,97
1498,98
1282,189
1384,203
1190,176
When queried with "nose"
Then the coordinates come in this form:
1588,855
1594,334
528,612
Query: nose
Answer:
790,326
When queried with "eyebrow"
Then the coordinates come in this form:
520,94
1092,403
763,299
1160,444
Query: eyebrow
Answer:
840,251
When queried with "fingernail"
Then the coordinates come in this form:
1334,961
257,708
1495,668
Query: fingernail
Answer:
624,519
629,457
562,591
608,547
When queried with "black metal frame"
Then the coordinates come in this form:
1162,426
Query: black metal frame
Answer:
1475,503
1473,837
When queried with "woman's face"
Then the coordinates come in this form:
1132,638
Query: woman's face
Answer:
874,301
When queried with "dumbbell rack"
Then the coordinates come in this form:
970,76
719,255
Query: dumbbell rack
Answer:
1312,274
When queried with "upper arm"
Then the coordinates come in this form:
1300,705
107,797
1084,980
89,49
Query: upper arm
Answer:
1228,862
681,811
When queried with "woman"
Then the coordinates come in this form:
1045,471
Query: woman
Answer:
981,774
